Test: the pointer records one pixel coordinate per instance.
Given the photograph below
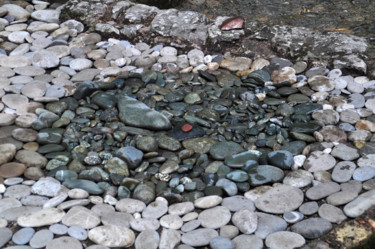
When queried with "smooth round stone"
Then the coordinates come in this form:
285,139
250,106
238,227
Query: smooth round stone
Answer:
41,238
309,208
343,171
8,203
142,224
80,64
23,236
364,173
14,101
263,174
117,219
45,59
360,204
322,190
17,191
349,116
222,243
243,241
208,201
34,89
148,239
77,232
81,216
229,231
199,237
221,150
7,119
78,193
319,160
281,159
331,213
299,178
321,83
369,185
130,155
13,181
64,242
155,210
171,221
15,61
89,186
245,220
268,224
58,229
345,152
46,187
366,161
34,200
169,238
284,240
228,186
63,175
12,169
214,217
5,235
112,236
342,197
181,208
238,202
130,205
357,99
280,199
190,226
312,228
292,217
239,160
40,218
31,158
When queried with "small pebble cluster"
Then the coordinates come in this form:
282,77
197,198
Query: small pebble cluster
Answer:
106,144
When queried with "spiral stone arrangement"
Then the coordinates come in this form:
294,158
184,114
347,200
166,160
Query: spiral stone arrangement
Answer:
105,143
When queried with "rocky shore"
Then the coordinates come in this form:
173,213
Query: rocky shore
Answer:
123,125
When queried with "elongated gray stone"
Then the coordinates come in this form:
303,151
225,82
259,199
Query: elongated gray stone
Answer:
360,204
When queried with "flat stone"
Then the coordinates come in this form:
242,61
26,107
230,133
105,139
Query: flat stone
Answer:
42,217
293,216
190,226
5,235
238,202
312,228
31,158
268,224
245,220
366,160
15,61
223,149
322,190
263,174
282,159
181,208
243,241
208,201
130,205
58,229
80,64
155,210
284,240
169,238
222,243
46,187
14,101
239,160
45,59
81,216
63,243
148,239
142,224
112,236
8,203
319,161
17,191
199,237
116,219
298,178
41,238
280,199
17,11
215,217
309,208
321,83
360,204
343,171
7,119
364,173
23,236
14,213
24,134
46,15
77,232
331,213
345,152
342,197
236,63
34,89
171,221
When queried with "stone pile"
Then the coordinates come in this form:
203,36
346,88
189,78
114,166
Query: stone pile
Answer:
104,143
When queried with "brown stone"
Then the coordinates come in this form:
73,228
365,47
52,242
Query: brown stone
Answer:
33,146
365,125
333,134
7,152
24,135
284,74
12,169
31,158
33,173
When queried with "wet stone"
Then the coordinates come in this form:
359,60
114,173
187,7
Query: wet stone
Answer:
239,160
223,149
312,228
263,174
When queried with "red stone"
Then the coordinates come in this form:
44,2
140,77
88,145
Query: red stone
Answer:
236,22
186,128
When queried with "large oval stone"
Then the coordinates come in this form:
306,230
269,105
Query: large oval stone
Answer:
112,236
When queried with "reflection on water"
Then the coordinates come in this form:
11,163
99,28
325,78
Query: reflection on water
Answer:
355,17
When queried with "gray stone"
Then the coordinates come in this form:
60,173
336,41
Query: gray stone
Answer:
222,243
45,59
58,229
81,216
215,217
238,202
284,240
169,238
360,204
243,241
135,113
130,206
312,228
155,210
41,238
77,232
268,224
5,235
148,239
343,171
245,220
116,219
280,199
46,187
281,158
42,217
112,236
331,213
364,173
319,161
64,242
298,178
23,236
309,208
293,216
322,190
345,152
342,197
199,237
142,224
